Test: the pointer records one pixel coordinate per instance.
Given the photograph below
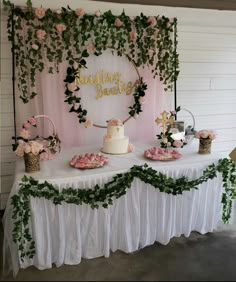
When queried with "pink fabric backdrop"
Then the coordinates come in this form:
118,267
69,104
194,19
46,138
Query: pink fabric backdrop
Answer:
50,101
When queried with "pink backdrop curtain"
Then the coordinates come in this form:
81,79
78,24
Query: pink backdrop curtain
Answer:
50,101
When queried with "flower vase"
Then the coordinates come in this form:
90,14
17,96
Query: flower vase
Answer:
204,146
32,162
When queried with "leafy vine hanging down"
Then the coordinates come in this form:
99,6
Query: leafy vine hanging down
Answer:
114,189
44,38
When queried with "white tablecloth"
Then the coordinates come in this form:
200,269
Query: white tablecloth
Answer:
66,233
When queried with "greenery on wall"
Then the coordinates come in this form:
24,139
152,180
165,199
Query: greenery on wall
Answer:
104,196
44,38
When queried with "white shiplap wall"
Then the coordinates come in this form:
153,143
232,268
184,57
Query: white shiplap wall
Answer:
206,86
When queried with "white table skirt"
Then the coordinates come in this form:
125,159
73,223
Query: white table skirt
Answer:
66,233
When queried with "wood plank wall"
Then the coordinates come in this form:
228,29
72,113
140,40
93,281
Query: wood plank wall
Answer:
206,86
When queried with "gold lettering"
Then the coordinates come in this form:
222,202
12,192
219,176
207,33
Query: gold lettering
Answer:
99,92
103,77
129,88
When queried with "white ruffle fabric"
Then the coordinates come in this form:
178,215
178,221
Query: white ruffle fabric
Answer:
66,233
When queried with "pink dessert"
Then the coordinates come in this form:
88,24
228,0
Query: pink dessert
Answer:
88,160
162,154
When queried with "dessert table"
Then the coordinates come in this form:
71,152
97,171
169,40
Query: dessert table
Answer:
66,233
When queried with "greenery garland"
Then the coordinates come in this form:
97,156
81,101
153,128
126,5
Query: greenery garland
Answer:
44,38
114,189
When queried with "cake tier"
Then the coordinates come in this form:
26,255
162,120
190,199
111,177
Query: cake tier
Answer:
116,131
116,146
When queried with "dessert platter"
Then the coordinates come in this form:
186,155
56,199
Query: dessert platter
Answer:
88,161
162,154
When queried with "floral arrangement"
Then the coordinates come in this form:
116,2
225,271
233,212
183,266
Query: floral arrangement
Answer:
166,137
26,146
39,145
72,35
205,134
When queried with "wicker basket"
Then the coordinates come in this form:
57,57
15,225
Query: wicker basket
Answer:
51,144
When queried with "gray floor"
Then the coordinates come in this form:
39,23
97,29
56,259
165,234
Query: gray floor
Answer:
209,257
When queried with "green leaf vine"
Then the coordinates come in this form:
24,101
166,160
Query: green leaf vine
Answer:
104,196
44,38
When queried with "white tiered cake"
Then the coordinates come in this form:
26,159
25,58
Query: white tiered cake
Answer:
114,141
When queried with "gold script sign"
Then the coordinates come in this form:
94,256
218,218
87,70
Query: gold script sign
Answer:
104,77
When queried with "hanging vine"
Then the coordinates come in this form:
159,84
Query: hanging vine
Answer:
44,38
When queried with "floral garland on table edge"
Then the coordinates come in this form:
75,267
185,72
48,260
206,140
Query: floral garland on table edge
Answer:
104,196
73,35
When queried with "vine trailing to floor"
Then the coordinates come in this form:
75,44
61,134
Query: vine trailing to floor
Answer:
44,38
114,189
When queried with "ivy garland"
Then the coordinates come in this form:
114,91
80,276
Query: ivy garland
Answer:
44,38
114,189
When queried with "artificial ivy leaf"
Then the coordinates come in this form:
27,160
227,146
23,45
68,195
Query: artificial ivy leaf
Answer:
83,62
85,54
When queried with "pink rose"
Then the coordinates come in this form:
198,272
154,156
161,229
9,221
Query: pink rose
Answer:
88,124
41,34
152,21
76,106
150,52
27,148
204,134
60,28
118,22
141,100
131,148
71,86
212,135
24,134
35,47
40,12
115,122
58,11
133,35
178,143
90,48
163,53
36,147
26,125
32,121
98,13
79,12
75,65
20,150
107,136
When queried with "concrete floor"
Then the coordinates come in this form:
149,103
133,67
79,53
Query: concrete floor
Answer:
209,257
